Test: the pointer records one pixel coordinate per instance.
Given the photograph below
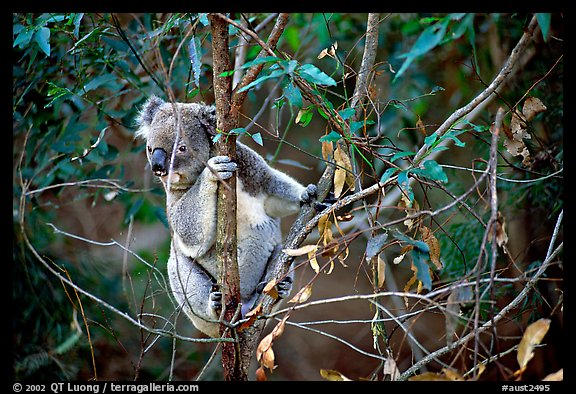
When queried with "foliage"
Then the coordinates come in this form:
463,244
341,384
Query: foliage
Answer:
83,200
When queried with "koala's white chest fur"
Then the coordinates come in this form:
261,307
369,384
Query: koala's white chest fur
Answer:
249,209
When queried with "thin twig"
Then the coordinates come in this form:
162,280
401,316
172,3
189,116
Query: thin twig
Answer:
550,255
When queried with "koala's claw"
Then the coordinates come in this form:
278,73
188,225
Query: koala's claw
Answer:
328,201
223,167
309,194
284,287
215,299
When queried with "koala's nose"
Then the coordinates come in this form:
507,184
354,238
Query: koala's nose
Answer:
158,162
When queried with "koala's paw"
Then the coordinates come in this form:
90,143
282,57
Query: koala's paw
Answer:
328,201
215,300
284,287
222,167
309,194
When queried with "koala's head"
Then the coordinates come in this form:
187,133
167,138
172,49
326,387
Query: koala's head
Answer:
157,125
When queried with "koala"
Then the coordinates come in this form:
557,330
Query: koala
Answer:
186,164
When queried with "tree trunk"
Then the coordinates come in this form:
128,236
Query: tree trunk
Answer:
226,243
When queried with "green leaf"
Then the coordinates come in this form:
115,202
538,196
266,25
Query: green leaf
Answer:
203,18
421,246
405,185
273,74
430,37
304,116
452,134
313,74
375,245
42,38
333,136
98,81
430,139
23,38
544,22
422,269
293,95
134,209
257,138
399,155
387,174
238,131
346,113
260,60
431,170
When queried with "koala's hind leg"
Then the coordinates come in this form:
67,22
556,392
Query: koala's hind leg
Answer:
284,285
195,292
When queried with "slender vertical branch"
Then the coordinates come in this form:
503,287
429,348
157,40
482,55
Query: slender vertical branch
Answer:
226,243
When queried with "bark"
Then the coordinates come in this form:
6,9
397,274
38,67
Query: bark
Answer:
236,357
226,242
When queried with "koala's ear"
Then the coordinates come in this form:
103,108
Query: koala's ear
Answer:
207,117
146,115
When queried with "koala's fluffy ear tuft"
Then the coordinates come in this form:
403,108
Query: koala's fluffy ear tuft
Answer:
146,115
207,117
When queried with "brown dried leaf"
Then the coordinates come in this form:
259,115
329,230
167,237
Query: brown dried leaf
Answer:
532,107
252,317
381,270
343,171
501,236
532,337
302,295
445,375
269,286
339,180
261,375
453,375
327,150
433,244
301,251
557,376
313,262
390,368
323,222
264,352
518,128
342,259
421,127
332,375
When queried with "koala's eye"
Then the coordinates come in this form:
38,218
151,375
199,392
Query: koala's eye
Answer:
149,149
182,148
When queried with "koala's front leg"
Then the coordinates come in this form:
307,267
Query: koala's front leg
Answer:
221,168
193,216
309,194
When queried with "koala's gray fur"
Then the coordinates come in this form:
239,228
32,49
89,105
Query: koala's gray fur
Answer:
190,172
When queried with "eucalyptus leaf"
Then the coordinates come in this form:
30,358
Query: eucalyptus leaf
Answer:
257,138
423,270
313,74
333,136
404,185
42,38
432,170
